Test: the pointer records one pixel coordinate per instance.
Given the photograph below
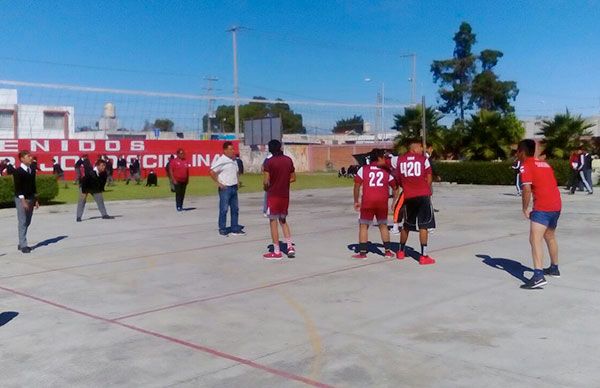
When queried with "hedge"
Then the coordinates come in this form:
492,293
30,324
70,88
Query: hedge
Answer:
47,188
491,173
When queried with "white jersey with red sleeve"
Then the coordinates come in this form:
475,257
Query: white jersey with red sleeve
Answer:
376,183
412,171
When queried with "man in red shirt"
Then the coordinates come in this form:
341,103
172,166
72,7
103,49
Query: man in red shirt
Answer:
375,181
179,175
537,178
413,172
278,173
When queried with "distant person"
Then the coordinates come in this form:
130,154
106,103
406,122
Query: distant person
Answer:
83,166
240,164
516,166
34,165
168,171
151,179
278,173
342,172
413,172
224,171
25,197
93,183
10,169
122,168
134,171
109,171
58,172
375,181
585,171
2,166
537,180
262,170
180,175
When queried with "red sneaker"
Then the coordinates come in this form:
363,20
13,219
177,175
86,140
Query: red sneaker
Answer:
400,255
273,256
291,253
360,256
426,260
389,255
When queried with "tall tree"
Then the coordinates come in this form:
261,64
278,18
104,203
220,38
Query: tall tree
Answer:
165,125
487,91
409,126
562,134
352,124
490,135
456,74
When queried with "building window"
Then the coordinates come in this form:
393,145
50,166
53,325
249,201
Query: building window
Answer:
54,121
7,122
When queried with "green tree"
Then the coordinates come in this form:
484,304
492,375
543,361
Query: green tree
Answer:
409,126
291,121
456,74
562,135
490,135
487,91
165,125
354,124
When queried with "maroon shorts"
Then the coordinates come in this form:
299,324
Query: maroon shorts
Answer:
379,213
277,207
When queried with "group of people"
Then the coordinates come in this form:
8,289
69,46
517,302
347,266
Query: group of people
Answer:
581,171
410,172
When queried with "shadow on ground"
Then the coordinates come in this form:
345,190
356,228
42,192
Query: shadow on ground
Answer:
7,316
513,267
49,241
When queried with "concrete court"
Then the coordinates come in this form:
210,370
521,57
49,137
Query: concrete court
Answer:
157,299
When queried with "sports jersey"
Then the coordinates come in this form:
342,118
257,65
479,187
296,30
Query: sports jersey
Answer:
411,171
376,183
540,176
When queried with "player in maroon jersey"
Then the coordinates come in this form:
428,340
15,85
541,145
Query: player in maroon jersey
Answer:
413,172
375,181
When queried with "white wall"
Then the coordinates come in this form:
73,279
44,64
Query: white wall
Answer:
31,122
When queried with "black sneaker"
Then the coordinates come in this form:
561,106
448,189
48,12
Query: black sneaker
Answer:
535,283
107,217
25,249
554,272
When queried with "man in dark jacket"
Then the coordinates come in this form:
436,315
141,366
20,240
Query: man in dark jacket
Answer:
93,183
134,172
25,197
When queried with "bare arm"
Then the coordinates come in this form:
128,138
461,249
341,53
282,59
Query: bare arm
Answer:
356,195
292,177
266,180
526,199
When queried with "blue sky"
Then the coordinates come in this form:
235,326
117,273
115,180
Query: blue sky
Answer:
302,49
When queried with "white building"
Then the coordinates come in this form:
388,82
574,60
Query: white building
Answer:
19,121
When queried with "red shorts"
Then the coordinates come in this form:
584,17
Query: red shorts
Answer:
379,213
277,207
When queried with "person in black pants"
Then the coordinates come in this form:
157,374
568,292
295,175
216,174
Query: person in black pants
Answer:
179,173
93,183
25,197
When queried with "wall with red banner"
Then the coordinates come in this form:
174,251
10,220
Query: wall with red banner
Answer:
153,154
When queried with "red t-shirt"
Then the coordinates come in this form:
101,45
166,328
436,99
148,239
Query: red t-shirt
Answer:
280,168
376,183
412,171
540,176
179,170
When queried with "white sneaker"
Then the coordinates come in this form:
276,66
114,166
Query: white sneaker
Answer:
395,230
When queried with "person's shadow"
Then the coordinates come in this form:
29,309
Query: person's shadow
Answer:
7,316
379,249
513,267
49,241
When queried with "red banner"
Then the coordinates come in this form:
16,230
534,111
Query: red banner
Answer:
153,154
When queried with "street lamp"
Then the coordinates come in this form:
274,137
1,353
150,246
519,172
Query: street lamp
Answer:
381,105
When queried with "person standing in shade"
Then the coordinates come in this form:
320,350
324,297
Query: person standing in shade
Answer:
179,175
121,168
93,183
25,197
224,171
537,180
278,173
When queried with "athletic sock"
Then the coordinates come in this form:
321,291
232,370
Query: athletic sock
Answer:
538,273
423,250
362,247
276,248
387,245
402,246
289,242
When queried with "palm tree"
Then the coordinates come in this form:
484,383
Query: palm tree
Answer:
490,135
563,133
409,126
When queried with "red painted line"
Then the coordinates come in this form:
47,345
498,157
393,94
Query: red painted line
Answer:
213,352
293,280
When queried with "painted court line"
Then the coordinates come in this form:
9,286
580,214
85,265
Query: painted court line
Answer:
294,280
213,352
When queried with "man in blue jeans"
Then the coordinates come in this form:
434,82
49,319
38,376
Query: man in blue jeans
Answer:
224,171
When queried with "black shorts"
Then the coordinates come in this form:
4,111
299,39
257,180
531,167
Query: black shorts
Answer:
418,213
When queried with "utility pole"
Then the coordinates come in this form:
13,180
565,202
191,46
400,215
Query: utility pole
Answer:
210,114
236,96
424,123
383,129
